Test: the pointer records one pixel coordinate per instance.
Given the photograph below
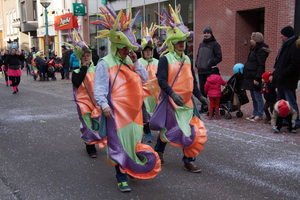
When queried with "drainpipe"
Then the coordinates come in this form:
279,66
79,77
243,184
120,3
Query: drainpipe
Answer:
297,18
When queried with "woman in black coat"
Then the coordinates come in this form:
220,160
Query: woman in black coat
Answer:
253,69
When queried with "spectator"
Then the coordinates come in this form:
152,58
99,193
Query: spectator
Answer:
269,91
103,52
287,69
74,62
65,62
28,59
41,65
283,110
5,68
95,57
253,70
157,44
138,53
209,54
212,88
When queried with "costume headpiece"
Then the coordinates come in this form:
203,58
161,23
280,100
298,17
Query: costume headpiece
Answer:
147,34
118,28
176,31
78,44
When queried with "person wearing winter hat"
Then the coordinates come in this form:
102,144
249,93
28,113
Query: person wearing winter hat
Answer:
257,37
270,95
287,68
253,70
209,55
283,110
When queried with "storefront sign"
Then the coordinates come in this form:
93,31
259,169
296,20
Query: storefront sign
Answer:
41,32
79,9
66,21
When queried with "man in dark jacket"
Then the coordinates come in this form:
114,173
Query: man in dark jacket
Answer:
209,54
65,61
287,68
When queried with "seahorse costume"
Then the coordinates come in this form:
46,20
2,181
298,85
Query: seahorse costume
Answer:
125,99
183,128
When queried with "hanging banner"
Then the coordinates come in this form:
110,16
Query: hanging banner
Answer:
66,21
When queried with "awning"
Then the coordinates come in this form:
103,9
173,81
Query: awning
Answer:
12,38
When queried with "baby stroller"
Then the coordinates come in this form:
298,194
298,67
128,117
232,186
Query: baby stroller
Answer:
233,97
50,71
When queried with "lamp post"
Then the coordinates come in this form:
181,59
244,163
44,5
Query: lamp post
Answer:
45,4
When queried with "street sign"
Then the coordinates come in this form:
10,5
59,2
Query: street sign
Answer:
79,9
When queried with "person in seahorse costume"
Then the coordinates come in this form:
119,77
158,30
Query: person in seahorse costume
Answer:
83,92
151,87
119,91
183,127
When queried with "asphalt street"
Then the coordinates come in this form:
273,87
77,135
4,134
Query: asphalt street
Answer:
43,157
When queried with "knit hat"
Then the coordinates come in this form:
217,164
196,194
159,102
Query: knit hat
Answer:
207,29
287,31
257,37
265,76
283,108
215,70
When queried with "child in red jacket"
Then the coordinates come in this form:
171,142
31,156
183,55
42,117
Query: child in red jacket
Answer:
212,88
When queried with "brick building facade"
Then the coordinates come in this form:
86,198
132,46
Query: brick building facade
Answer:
233,22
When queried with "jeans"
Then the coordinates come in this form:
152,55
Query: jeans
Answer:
258,103
66,70
290,96
119,175
160,147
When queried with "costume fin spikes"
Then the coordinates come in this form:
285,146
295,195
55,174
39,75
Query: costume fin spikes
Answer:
117,20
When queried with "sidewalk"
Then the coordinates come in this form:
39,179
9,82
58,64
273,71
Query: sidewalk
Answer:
63,88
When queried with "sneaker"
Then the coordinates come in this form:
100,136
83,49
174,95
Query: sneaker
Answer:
148,138
191,167
161,157
91,150
124,187
250,117
15,92
256,119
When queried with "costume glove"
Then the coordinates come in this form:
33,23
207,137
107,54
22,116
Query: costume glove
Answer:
275,129
177,99
204,100
293,124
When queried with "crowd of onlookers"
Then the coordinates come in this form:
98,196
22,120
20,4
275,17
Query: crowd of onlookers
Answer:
36,64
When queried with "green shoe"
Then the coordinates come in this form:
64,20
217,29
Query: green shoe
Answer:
124,187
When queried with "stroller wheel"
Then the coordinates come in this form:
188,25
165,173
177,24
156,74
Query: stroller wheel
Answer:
222,112
239,114
228,116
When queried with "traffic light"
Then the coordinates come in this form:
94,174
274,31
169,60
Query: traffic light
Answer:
104,2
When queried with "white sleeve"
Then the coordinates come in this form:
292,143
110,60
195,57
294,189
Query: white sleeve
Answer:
101,85
140,70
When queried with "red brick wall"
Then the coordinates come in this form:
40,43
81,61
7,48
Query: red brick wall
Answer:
230,28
